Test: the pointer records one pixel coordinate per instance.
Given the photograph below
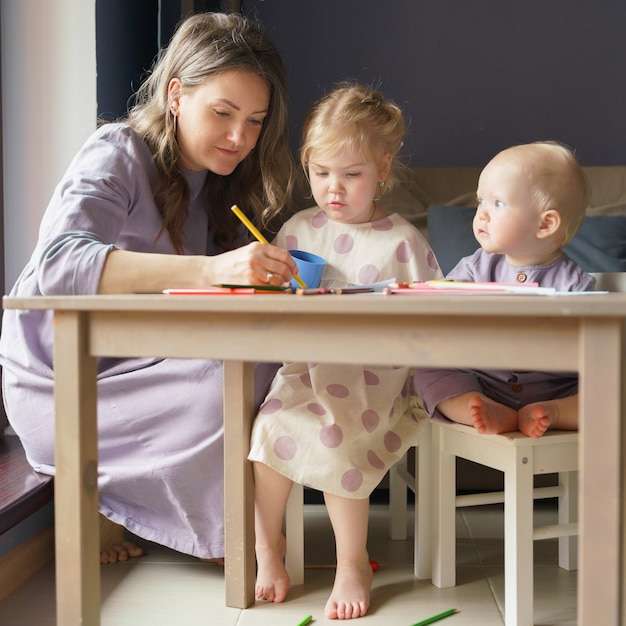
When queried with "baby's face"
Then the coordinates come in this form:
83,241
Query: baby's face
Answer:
507,217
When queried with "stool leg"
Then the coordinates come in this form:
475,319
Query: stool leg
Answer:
294,531
568,513
444,511
518,539
423,543
397,502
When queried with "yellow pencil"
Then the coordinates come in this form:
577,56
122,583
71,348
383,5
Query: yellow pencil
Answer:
248,224
257,233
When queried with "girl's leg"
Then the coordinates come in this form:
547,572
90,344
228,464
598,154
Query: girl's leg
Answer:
271,492
561,414
350,596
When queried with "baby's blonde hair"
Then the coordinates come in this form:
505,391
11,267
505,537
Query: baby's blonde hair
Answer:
557,181
353,117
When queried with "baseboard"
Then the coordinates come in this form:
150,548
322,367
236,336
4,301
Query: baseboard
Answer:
20,564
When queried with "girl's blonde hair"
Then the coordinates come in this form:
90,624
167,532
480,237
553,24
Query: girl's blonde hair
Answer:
355,118
204,45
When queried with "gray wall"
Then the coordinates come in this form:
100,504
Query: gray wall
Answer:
129,35
472,76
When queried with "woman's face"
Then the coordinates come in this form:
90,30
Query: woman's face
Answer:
219,122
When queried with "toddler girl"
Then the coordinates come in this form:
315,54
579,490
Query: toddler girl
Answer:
338,428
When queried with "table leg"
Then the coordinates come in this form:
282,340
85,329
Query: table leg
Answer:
76,460
238,504
601,550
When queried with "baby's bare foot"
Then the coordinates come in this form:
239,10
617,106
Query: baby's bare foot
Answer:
491,417
535,419
272,580
350,597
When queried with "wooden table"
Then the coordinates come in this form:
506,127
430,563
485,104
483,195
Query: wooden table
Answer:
584,333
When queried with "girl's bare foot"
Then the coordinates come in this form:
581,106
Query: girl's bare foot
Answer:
272,580
114,546
491,417
535,419
350,596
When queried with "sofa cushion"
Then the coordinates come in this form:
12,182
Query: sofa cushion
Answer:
599,245
450,234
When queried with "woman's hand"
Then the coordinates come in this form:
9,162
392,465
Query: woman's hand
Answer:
254,264
144,272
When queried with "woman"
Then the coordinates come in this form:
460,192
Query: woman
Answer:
145,205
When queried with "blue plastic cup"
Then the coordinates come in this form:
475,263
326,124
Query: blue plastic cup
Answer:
310,268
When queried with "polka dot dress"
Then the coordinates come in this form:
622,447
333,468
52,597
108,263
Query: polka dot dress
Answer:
358,254
338,428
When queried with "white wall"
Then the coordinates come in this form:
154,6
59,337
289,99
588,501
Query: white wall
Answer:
49,108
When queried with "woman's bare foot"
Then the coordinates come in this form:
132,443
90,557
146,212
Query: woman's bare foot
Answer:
272,580
350,596
535,419
491,417
114,546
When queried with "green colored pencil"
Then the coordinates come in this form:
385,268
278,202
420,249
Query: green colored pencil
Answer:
305,621
436,618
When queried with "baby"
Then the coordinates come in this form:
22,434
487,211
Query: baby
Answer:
531,201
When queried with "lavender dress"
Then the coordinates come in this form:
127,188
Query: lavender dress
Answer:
514,389
159,420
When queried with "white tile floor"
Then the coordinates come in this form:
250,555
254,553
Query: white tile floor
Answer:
165,588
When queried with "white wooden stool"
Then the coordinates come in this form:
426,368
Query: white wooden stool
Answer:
520,458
